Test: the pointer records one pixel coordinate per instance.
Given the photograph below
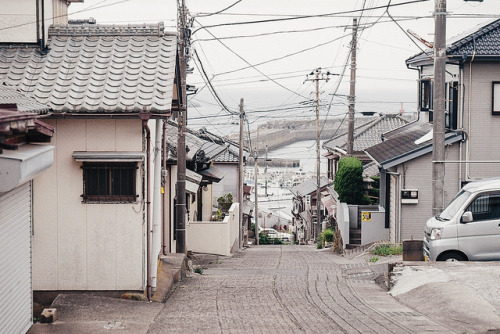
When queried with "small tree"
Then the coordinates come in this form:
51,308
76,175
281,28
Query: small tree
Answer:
349,181
225,202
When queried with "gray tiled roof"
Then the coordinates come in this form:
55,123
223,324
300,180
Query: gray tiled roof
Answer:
9,95
228,156
199,147
483,41
96,69
309,186
402,143
368,134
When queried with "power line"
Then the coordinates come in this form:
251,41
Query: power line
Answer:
253,66
299,17
222,10
209,84
279,58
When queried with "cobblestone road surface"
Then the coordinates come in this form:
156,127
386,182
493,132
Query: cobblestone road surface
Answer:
287,289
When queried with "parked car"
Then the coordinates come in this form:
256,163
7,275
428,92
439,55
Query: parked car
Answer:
273,234
469,227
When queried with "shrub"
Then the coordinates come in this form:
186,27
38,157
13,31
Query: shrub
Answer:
225,202
388,250
265,240
349,181
327,235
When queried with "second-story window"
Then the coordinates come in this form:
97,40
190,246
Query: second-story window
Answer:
425,95
495,110
452,110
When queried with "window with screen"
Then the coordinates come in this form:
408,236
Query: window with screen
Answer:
112,182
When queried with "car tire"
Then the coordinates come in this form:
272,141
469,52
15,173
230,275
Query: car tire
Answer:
452,257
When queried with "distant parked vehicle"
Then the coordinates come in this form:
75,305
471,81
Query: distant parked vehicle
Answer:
273,234
469,227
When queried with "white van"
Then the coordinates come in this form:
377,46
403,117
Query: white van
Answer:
469,227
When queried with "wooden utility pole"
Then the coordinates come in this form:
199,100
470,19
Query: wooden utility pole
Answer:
240,175
352,90
256,213
318,75
265,174
180,219
438,167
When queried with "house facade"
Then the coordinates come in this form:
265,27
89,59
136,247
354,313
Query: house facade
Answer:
109,89
304,209
471,120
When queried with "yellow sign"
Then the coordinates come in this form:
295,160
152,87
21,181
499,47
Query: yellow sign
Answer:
366,216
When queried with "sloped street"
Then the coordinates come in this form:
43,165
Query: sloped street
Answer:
287,289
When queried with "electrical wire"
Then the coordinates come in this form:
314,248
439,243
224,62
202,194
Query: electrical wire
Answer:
222,10
300,17
252,66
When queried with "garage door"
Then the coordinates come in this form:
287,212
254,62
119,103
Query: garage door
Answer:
15,260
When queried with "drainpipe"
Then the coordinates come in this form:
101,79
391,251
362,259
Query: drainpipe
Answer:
145,117
170,202
469,132
164,177
398,197
156,228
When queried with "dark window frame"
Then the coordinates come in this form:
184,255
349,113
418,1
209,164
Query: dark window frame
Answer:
425,95
451,119
109,182
495,111
485,206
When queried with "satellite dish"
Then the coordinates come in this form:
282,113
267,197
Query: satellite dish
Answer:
269,215
260,215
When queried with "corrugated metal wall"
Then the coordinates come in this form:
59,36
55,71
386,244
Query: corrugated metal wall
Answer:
16,297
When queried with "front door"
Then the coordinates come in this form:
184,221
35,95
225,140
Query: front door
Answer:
480,238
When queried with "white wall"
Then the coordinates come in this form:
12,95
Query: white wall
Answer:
343,222
79,246
374,230
228,184
18,19
214,237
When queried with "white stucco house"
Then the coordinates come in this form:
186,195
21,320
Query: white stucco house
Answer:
109,89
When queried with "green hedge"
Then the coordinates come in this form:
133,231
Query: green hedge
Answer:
349,181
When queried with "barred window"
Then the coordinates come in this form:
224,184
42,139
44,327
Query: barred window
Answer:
113,182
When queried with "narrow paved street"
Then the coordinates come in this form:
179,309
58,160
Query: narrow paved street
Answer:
287,289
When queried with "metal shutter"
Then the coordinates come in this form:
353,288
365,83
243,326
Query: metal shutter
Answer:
16,301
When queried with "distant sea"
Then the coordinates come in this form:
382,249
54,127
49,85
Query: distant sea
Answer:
305,151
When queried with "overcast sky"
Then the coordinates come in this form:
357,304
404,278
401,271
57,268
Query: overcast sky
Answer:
266,61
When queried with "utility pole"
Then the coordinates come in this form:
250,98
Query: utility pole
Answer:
256,213
240,174
352,89
265,173
180,219
318,76
438,167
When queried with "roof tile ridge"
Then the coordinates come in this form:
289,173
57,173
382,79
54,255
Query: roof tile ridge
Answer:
87,29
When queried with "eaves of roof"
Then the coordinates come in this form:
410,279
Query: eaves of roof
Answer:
198,147
309,186
9,95
483,43
402,147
